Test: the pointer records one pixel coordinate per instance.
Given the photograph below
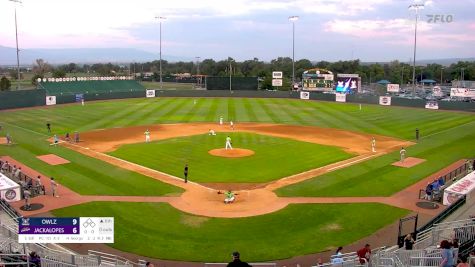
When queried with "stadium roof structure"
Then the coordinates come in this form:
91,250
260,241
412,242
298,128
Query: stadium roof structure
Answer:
428,81
383,82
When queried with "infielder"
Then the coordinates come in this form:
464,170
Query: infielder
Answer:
228,143
402,152
147,136
211,132
373,144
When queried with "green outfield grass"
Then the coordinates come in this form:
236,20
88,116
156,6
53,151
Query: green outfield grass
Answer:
291,156
379,178
451,136
160,231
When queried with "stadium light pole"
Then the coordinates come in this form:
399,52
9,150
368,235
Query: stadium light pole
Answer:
293,19
441,75
230,75
17,50
415,7
160,19
198,65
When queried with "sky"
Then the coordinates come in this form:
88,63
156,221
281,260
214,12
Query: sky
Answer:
369,30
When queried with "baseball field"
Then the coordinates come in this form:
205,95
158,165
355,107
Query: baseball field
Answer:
304,189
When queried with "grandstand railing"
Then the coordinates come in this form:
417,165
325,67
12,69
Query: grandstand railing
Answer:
114,260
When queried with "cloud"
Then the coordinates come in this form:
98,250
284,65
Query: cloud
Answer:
374,28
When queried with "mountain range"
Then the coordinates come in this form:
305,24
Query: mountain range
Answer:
120,55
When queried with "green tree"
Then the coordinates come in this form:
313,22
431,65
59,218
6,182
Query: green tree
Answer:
59,73
5,84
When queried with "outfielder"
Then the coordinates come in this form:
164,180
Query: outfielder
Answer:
147,136
373,144
228,143
402,152
231,123
221,120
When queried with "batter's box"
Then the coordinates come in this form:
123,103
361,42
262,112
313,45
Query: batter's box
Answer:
408,162
52,159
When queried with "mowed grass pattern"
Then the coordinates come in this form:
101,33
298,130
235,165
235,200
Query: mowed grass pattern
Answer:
274,158
450,133
295,230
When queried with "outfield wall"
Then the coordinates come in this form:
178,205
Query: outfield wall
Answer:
31,98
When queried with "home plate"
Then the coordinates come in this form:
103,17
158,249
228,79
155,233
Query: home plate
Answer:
52,159
408,162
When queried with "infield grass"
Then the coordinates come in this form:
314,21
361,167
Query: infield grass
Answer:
158,230
274,157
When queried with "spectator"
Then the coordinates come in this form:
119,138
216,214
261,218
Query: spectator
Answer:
149,264
27,196
462,262
364,254
35,260
13,170
29,184
455,243
441,181
337,258
5,167
447,254
408,242
429,191
38,181
237,262
18,173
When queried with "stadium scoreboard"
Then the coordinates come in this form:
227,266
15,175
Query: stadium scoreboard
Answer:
66,230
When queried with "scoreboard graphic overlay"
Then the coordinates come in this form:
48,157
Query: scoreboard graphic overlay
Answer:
66,230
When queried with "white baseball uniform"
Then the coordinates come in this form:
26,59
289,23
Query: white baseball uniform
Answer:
228,143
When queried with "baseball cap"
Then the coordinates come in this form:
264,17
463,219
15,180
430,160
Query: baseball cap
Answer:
235,254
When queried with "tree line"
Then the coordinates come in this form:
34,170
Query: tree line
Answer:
394,71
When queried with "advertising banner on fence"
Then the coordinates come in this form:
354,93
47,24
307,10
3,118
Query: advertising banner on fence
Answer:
432,105
50,100
393,88
9,190
150,93
462,92
460,188
305,95
437,91
385,100
276,82
340,97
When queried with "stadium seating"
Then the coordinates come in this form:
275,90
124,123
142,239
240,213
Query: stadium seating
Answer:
90,87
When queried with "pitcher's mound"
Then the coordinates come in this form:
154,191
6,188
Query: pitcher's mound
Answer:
231,153
408,162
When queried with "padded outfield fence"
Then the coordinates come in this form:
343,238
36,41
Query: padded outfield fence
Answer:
32,98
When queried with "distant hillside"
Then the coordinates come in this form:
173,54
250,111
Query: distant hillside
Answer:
123,55
441,61
81,55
